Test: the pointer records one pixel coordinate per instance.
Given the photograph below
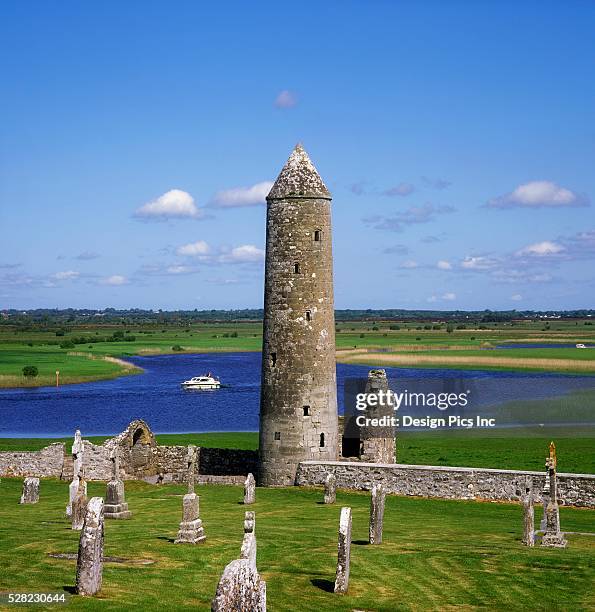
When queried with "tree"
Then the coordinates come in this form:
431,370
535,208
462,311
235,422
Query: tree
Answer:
30,371
450,328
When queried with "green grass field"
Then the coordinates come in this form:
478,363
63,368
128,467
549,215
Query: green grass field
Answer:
436,554
515,449
410,346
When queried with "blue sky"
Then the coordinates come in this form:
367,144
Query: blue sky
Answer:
138,138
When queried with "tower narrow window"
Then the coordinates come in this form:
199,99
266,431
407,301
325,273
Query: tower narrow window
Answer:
306,410
317,235
308,315
277,435
296,267
273,359
321,440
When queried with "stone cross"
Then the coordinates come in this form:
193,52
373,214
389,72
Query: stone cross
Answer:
248,550
343,552
552,537
528,515
377,500
30,494
115,457
115,497
191,467
89,565
330,489
249,489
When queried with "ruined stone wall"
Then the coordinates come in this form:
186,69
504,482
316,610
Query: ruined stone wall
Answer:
46,462
448,482
151,463
298,413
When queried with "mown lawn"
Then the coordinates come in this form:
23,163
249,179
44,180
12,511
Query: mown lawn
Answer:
436,554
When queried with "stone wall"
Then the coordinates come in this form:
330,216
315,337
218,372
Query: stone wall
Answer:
448,482
48,461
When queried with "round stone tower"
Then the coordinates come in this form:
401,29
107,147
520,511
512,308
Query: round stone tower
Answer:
298,402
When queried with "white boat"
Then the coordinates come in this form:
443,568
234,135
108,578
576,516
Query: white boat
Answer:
206,381
580,346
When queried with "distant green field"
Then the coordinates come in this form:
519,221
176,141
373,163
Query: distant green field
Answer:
435,555
84,361
514,449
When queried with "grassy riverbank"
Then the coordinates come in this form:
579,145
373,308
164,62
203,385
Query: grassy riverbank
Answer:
79,352
436,554
514,449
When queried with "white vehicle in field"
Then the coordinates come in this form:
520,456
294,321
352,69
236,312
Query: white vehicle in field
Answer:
206,381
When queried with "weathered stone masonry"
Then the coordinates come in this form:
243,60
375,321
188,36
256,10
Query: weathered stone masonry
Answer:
140,458
298,409
448,482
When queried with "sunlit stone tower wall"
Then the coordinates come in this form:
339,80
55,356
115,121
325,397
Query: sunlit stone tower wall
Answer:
298,408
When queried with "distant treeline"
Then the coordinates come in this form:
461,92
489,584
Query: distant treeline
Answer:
69,316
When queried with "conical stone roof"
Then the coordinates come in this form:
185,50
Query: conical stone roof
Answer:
299,179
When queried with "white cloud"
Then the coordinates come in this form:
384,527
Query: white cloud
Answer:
172,204
115,280
243,196
445,297
176,269
536,194
242,254
409,264
444,265
66,275
517,297
478,263
541,249
194,249
285,99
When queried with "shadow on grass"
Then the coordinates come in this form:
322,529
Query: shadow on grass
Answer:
360,542
70,589
325,585
167,539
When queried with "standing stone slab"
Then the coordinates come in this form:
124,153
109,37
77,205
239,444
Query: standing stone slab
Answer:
249,490
79,507
30,494
377,500
330,489
89,566
343,552
77,473
115,499
240,589
528,520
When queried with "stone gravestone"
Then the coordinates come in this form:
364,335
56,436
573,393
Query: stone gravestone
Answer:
77,472
89,566
248,550
249,490
528,514
115,499
191,530
343,552
330,489
30,494
552,537
377,500
240,587
79,507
